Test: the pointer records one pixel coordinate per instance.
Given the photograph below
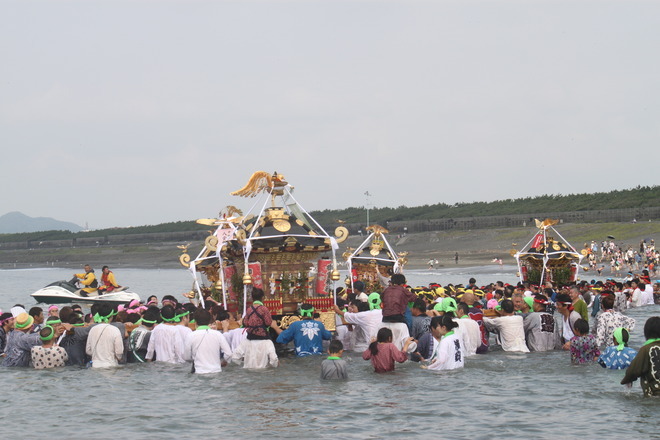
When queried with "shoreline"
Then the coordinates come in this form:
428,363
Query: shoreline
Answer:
475,248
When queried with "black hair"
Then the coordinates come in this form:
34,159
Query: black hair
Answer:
472,281
65,313
150,315
435,321
52,318
335,346
341,303
222,315
384,335
167,312
641,285
133,317
420,305
581,326
202,317
152,296
76,306
170,298
507,306
363,306
105,309
35,311
75,319
652,328
398,279
625,336
46,331
463,307
257,294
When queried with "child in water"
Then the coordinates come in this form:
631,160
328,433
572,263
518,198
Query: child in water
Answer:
334,367
383,352
584,348
449,353
619,355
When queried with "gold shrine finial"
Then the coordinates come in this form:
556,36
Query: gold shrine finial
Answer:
377,229
545,223
260,181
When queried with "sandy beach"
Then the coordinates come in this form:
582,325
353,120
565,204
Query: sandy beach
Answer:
476,247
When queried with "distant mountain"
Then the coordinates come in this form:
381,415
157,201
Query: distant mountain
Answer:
17,222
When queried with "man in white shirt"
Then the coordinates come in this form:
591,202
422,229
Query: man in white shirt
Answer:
366,323
509,327
468,329
105,344
647,294
636,298
206,347
358,289
165,341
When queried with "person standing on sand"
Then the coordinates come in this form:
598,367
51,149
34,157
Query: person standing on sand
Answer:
456,257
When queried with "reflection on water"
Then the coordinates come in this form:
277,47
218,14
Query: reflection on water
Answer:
496,395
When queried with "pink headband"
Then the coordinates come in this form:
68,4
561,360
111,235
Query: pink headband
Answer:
53,308
133,304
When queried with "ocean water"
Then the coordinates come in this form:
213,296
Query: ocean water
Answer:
498,395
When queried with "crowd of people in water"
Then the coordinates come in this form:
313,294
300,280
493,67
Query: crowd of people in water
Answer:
621,258
439,327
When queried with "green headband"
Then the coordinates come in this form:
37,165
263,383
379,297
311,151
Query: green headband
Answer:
49,337
374,301
147,321
53,321
178,317
618,338
98,318
307,312
174,319
28,323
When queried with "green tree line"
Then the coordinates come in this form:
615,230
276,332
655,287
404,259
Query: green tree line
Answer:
639,197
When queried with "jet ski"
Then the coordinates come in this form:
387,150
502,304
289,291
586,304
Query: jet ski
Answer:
65,292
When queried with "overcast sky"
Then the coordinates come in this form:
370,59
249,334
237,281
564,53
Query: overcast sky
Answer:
126,113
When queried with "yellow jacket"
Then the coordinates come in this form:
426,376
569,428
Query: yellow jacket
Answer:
87,279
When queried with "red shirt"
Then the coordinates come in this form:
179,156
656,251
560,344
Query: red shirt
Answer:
395,300
383,361
256,321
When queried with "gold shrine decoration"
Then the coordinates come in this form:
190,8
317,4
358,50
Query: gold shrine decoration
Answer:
377,230
341,234
545,223
260,181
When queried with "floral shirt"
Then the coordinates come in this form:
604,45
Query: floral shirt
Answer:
584,349
607,322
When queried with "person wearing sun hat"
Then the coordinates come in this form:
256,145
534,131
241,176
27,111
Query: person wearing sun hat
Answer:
20,342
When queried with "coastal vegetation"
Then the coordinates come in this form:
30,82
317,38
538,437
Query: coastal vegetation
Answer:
639,197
